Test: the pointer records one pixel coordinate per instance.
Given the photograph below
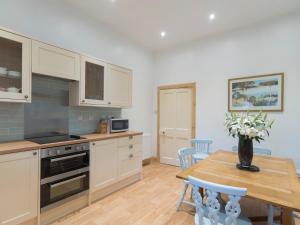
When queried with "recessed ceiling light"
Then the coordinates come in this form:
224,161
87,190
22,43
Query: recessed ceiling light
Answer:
212,16
163,34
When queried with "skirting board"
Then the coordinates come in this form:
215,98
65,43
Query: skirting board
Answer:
97,195
30,222
149,161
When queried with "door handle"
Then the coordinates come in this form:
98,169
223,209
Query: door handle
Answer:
67,181
67,157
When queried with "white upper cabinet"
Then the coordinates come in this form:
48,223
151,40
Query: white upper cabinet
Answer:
19,187
119,86
93,89
15,68
53,61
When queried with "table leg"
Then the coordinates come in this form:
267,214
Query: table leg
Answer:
286,217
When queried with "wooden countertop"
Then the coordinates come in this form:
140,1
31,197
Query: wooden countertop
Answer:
99,137
17,146
21,146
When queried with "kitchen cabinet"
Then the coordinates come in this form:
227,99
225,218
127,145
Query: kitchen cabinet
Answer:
119,86
15,68
130,156
115,163
19,187
104,164
53,61
92,88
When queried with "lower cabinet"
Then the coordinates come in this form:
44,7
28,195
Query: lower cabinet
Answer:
104,164
19,187
115,163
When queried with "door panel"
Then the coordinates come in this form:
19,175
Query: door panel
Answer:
175,129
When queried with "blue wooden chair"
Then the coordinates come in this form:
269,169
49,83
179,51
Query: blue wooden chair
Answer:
202,149
186,161
256,151
209,213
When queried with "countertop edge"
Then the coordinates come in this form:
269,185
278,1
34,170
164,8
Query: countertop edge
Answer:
23,145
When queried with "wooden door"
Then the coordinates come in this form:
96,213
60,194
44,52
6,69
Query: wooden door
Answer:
15,68
19,187
104,164
54,61
119,86
175,123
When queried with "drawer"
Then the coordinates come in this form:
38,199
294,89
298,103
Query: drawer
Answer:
129,155
130,148
104,142
130,140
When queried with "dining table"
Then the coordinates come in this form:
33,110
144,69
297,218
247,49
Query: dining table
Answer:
276,183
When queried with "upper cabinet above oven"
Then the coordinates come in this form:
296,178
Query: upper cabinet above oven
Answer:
53,61
15,68
102,84
92,88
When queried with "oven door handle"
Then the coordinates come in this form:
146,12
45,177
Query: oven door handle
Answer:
67,157
67,181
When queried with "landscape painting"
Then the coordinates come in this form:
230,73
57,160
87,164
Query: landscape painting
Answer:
257,93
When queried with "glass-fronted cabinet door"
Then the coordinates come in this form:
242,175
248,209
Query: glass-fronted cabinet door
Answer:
15,68
93,80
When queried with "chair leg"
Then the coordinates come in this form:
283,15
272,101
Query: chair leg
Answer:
270,214
182,196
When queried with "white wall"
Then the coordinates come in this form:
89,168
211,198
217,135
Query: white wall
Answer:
53,22
262,49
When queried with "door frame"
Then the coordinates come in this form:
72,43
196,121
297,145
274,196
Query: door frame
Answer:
191,86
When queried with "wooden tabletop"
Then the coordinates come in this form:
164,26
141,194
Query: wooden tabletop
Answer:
277,182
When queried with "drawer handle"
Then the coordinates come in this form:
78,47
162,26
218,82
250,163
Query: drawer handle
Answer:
130,146
131,156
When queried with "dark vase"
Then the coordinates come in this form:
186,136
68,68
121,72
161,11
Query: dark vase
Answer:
245,152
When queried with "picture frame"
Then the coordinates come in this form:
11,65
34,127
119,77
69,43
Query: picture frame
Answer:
256,93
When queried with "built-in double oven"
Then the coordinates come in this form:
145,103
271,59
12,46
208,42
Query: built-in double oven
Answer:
64,174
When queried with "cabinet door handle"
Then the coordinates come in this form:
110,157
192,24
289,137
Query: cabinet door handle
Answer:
130,146
131,156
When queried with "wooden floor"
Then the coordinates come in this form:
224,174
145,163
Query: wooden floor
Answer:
151,201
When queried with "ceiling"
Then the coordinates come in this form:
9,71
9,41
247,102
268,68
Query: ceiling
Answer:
182,20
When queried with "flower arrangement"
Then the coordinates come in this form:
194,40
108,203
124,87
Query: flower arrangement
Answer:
249,126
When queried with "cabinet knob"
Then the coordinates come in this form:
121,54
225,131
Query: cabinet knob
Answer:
131,156
34,153
130,146
94,144
26,96
109,103
130,137
83,100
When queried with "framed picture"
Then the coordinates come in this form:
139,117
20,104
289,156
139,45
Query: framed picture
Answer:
256,93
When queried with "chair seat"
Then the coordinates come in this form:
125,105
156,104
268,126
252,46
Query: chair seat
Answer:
222,216
200,156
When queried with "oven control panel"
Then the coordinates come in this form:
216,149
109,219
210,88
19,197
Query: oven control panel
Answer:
62,150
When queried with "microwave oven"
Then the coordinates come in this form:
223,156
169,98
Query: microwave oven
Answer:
119,125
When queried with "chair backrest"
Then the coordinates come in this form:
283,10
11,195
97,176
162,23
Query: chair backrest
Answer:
202,146
185,157
213,205
256,151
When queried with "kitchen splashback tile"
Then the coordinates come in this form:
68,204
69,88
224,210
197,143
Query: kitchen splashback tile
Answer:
82,120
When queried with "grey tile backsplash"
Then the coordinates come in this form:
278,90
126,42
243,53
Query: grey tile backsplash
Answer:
82,120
